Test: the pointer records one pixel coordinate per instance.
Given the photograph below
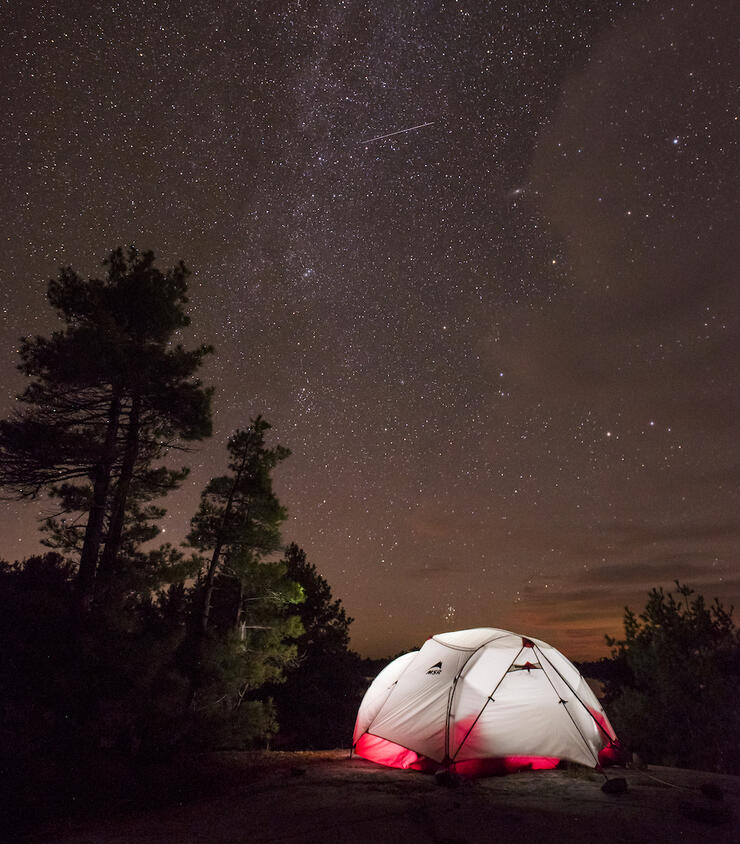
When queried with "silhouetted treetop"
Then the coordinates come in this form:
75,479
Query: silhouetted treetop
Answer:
110,394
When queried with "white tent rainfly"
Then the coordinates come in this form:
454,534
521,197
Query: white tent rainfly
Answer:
479,702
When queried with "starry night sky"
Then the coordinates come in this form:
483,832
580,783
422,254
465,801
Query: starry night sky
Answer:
503,347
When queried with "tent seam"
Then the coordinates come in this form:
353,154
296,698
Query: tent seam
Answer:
488,699
451,696
575,694
387,698
565,706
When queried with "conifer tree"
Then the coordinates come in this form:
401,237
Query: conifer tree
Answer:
110,395
326,676
241,632
673,693
324,618
239,517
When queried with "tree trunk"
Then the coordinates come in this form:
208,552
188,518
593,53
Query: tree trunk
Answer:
120,497
239,610
96,517
213,565
208,590
198,641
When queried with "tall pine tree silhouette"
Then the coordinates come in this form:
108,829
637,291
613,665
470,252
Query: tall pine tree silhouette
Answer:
110,395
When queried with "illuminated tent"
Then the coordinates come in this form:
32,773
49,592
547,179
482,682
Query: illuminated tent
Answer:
482,701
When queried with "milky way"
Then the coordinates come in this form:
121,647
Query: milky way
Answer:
503,347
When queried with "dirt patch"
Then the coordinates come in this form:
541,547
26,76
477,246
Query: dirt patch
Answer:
325,796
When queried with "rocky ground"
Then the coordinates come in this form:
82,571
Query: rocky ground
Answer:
327,797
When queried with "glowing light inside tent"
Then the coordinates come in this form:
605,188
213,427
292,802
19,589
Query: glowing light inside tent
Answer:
480,702
385,752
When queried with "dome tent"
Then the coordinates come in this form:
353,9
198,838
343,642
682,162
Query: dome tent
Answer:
482,701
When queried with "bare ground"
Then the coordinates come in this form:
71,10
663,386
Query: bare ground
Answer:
326,797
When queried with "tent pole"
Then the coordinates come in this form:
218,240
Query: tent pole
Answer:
565,702
575,695
489,699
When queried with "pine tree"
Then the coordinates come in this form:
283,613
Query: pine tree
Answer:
110,395
327,676
324,618
239,517
236,662
242,629
673,694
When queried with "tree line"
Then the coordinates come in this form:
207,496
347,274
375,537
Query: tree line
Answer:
108,641
672,683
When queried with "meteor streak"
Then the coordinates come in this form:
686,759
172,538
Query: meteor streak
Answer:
399,132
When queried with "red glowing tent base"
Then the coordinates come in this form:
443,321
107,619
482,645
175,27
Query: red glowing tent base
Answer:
385,752
501,765
613,754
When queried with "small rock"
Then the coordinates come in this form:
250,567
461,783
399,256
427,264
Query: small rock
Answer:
616,785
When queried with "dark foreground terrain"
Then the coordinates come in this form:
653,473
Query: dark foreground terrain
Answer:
326,797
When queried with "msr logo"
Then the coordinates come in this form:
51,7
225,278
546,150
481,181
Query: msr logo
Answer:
436,668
